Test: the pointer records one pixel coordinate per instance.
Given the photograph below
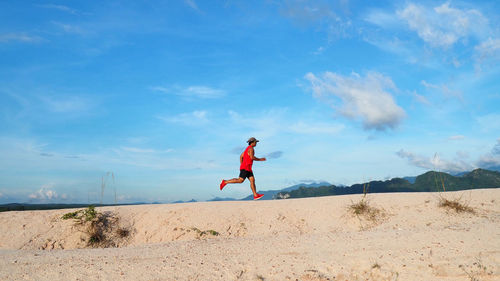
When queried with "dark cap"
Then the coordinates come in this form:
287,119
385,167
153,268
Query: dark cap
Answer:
252,139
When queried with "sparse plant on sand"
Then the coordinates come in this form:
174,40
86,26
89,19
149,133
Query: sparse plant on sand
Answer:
82,215
362,209
476,269
103,230
205,232
456,205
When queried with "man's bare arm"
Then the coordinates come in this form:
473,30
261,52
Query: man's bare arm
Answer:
251,153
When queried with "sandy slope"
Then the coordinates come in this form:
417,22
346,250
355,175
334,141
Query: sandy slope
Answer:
304,239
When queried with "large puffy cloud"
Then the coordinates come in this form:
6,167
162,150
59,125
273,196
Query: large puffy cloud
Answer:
443,26
367,98
45,193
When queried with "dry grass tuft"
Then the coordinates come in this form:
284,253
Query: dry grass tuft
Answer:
456,205
363,209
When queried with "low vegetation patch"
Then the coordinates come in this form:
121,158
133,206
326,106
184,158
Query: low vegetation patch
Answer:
82,215
456,205
103,230
205,232
477,270
363,209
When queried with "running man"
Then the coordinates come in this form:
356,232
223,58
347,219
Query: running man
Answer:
246,162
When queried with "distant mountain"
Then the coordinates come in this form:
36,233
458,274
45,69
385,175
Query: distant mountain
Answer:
410,179
430,181
32,207
180,201
271,194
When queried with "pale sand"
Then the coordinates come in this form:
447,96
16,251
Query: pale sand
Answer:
301,239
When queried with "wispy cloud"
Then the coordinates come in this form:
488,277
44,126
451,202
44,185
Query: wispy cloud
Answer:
274,155
328,15
197,117
443,26
66,104
444,90
192,4
190,92
435,162
421,99
491,159
383,19
59,8
457,137
488,52
19,37
366,98
302,127
144,150
70,28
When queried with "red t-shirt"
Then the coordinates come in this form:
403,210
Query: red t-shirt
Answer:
247,162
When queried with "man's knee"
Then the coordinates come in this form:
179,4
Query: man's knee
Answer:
240,180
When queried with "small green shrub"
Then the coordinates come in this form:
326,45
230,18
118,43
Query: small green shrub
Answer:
90,213
72,215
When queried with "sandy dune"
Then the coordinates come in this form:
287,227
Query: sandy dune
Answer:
411,238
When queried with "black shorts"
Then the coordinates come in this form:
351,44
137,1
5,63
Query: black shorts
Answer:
245,174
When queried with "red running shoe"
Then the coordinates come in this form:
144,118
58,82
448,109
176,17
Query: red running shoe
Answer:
222,184
258,196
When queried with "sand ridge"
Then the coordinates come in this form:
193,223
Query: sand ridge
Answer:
304,239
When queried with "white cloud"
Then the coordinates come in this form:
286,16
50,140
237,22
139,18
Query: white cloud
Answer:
488,51
324,14
274,155
192,4
276,121
69,28
382,19
366,98
144,150
491,159
44,193
137,150
59,7
444,89
435,163
192,118
302,127
443,26
421,99
190,92
19,37
66,104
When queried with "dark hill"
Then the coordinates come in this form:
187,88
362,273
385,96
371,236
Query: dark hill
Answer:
428,182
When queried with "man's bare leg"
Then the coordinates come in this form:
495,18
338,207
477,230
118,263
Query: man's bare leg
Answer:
235,180
252,185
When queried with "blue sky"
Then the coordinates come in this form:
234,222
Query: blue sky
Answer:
162,95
